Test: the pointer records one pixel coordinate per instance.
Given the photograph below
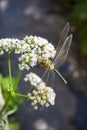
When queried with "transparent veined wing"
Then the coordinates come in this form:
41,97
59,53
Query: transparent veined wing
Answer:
45,76
62,54
49,77
63,37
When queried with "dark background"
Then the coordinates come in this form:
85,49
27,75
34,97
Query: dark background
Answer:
47,18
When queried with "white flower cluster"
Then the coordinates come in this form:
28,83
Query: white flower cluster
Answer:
31,49
34,48
28,59
42,94
8,44
41,46
34,79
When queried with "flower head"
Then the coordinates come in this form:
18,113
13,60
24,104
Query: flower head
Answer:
8,44
31,49
34,79
41,94
34,48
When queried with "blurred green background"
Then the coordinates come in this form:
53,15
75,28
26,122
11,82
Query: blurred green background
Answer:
77,15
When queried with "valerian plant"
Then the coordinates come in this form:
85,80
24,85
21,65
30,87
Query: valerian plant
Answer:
32,51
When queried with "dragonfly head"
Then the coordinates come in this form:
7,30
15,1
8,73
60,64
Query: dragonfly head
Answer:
46,63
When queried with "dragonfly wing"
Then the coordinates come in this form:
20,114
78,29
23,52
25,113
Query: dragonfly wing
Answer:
62,54
63,37
51,79
45,76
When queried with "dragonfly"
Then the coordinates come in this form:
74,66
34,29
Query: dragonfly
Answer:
62,50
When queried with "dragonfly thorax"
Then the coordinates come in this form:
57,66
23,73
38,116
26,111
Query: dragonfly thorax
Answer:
46,63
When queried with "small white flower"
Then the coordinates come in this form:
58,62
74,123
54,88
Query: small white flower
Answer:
35,107
34,92
33,78
47,104
1,52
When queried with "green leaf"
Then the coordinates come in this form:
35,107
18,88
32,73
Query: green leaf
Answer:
11,112
14,126
4,83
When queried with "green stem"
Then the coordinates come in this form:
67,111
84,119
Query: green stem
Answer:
9,69
29,89
21,95
17,80
9,97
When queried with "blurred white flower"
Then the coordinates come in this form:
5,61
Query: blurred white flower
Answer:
42,94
